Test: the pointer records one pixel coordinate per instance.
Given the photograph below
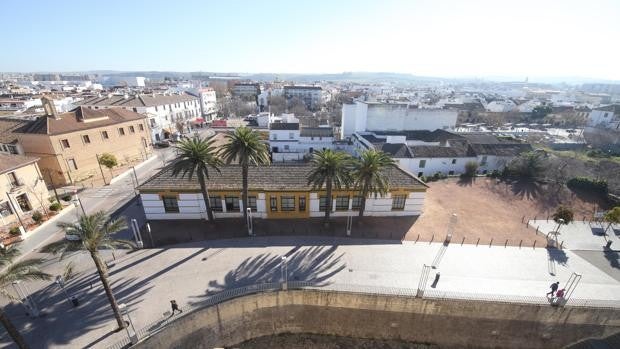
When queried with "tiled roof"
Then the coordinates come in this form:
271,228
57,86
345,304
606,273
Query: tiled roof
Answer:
262,178
138,100
284,126
397,150
615,108
421,135
303,87
11,162
317,132
507,149
71,121
457,149
7,127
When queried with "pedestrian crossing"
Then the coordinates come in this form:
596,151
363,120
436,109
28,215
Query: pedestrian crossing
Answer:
100,193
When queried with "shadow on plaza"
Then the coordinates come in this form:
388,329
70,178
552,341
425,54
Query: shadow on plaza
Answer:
61,322
613,257
313,264
557,255
375,230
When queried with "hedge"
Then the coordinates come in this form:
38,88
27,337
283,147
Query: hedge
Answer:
585,183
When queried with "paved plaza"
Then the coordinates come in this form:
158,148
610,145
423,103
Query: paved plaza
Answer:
147,279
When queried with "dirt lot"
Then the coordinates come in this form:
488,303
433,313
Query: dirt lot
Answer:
487,210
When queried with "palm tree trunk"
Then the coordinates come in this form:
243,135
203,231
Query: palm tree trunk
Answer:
13,331
205,197
363,203
328,209
244,194
103,276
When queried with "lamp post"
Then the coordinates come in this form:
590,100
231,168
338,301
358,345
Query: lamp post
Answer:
61,283
136,233
249,222
284,271
26,300
133,337
77,202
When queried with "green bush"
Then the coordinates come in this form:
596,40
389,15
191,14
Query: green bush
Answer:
471,167
597,153
66,197
585,183
37,217
55,207
14,231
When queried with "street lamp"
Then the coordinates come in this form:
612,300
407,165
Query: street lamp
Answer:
132,337
249,222
136,233
25,299
61,283
284,271
77,202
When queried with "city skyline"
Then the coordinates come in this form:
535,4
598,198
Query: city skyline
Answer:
448,39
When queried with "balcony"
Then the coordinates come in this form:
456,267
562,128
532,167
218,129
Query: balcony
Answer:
16,184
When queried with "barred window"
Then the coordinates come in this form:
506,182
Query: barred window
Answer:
302,203
216,203
342,203
171,204
324,203
252,203
398,202
287,203
356,203
273,202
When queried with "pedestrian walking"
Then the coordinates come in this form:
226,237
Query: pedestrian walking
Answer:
554,287
175,307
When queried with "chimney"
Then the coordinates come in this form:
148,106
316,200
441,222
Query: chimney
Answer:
49,107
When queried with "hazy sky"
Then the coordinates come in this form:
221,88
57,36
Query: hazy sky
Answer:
515,38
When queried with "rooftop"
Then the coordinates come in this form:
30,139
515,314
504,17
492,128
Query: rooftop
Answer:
74,120
12,162
262,178
132,101
284,126
302,87
317,132
7,127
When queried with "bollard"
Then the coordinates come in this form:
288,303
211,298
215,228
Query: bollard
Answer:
520,243
491,242
506,243
418,238
547,218
522,219
477,242
562,245
432,238
534,244
462,241
538,227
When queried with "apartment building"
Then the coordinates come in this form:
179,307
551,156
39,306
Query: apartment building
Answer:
165,112
8,140
68,144
23,189
248,91
312,96
275,192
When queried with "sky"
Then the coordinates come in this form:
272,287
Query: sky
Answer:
442,38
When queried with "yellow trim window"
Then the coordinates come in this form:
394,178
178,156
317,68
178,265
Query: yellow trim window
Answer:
342,203
324,203
287,203
216,203
398,202
171,204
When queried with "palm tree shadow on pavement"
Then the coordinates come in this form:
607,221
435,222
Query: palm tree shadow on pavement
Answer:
466,181
612,256
526,189
557,255
313,264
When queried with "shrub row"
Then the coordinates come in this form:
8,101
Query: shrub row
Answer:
585,183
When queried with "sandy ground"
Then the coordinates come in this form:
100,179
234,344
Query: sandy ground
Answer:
488,209
314,341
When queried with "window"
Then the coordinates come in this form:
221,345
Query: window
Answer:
422,163
398,202
232,203
12,149
450,173
323,203
171,204
287,203
484,161
72,164
135,110
302,204
121,131
65,143
104,135
356,203
286,147
252,203
275,136
342,203
453,161
216,203
141,127
13,179
85,139
420,174
24,203
291,135
5,209
273,203
132,130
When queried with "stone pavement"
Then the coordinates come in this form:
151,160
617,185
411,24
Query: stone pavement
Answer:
147,279
582,235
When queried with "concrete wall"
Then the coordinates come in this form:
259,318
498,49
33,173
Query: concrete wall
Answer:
447,323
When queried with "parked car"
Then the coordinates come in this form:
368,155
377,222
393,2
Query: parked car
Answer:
162,144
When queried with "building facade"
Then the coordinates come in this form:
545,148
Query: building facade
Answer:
68,144
275,191
312,96
166,113
23,189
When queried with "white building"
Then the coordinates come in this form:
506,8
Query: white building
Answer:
425,153
373,116
163,111
208,102
289,142
501,106
129,81
605,117
275,192
246,90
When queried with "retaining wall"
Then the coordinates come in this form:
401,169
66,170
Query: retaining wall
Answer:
448,323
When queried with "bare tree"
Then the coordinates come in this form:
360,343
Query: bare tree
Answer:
40,195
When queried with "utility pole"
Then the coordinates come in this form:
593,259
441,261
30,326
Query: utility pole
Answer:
49,174
101,169
15,210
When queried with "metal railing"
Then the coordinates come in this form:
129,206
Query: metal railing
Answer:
159,324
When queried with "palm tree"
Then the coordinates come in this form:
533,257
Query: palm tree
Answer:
612,217
369,176
246,147
329,169
562,215
196,156
94,233
21,271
